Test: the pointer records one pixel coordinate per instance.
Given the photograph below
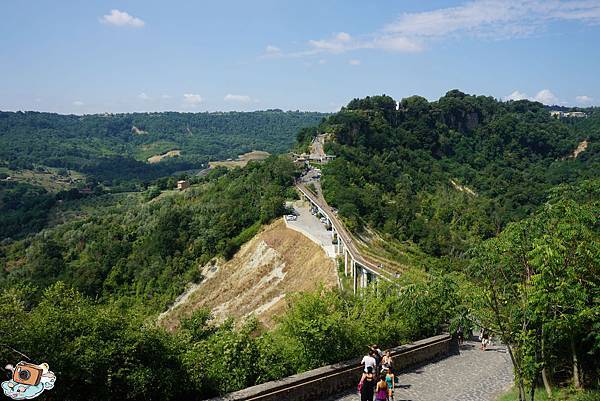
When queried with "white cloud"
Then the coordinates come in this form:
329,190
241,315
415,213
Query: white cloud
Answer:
397,43
322,61
354,62
337,44
516,95
191,99
494,18
121,18
343,37
272,52
165,96
583,99
143,96
238,98
545,96
78,103
270,49
491,19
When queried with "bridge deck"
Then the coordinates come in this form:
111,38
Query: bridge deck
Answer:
474,375
344,234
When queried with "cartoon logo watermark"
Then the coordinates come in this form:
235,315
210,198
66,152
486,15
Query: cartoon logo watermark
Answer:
27,380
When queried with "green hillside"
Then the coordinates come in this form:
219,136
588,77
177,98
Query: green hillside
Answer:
113,148
444,174
498,216
45,158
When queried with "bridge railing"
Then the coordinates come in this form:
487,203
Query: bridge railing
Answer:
334,379
356,256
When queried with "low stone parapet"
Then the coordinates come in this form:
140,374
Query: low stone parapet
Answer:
333,379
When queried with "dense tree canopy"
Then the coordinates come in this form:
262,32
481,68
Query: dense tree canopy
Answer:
445,173
113,148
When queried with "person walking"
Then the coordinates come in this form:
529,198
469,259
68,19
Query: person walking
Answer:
377,354
485,339
381,392
369,361
390,380
386,362
460,335
366,386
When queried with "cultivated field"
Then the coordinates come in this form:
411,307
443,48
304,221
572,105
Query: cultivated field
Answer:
242,160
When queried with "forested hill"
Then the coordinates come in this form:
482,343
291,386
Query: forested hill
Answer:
114,148
443,174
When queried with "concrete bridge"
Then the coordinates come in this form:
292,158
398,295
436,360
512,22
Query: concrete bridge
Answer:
363,270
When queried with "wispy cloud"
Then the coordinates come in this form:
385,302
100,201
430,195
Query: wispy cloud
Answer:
191,99
354,62
239,98
544,96
78,103
490,19
143,96
498,19
121,18
270,49
584,99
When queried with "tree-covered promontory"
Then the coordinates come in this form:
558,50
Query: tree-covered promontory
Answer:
442,174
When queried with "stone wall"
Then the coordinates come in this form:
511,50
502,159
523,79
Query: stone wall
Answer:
328,380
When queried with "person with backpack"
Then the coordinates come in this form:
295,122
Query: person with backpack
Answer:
366,386
377,354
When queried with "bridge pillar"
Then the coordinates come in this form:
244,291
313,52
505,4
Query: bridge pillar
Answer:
354,275
345,262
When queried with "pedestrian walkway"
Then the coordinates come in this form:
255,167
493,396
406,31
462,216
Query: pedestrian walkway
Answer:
472,375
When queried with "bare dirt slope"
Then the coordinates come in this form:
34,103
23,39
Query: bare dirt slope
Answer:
158,158
242,160
277,261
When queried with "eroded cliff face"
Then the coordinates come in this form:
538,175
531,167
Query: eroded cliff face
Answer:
276,262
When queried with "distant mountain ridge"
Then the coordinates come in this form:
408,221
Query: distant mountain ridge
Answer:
114,147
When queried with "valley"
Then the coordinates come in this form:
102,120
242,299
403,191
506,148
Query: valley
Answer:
262,262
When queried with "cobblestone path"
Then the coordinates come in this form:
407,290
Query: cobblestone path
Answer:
473,375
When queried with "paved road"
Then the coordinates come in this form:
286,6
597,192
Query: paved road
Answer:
342,232
311,227
317,147
474,375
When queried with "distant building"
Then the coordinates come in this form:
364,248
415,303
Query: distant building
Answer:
576,114
181,185
567,114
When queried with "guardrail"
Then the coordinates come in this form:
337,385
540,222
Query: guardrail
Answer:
344,235
333,379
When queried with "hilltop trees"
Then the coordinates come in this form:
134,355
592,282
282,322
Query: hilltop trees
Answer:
445,174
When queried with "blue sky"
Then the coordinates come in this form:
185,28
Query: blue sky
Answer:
122,56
